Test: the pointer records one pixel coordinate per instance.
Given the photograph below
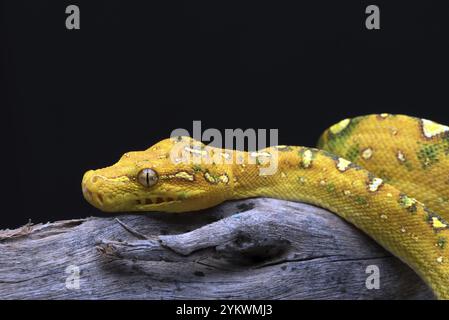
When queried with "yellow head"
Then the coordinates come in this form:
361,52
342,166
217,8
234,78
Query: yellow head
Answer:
174,175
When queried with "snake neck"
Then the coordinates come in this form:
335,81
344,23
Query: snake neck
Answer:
281,176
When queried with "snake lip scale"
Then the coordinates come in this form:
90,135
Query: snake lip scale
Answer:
386,174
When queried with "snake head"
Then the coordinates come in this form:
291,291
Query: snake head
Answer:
174,175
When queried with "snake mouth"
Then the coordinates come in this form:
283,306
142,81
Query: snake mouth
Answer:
156,200
155,203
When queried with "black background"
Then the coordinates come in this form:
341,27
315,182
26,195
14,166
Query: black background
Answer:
136,70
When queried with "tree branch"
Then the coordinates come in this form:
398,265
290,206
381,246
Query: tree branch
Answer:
250,249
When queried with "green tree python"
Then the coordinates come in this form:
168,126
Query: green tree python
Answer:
386,174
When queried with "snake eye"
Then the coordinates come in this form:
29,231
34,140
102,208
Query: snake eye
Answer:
147,177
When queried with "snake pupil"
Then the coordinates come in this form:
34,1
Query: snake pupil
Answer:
147,177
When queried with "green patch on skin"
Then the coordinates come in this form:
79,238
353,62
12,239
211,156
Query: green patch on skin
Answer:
408,203
445,144
197,168
441,243
361,200
352,153
182,196
408,165
211,177
428,155
330,187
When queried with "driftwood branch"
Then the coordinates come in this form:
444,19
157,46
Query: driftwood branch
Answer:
251,249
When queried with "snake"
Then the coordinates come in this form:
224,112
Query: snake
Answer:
386,174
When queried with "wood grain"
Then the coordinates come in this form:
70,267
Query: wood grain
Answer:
251,249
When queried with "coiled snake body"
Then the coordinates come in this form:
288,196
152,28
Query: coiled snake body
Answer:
386,174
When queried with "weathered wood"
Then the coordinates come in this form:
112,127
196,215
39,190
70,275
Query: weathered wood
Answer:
251,249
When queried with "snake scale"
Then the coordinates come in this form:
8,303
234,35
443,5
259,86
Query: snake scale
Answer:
386,174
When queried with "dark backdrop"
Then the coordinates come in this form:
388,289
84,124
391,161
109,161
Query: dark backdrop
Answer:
78,99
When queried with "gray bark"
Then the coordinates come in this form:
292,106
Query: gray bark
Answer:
251,249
